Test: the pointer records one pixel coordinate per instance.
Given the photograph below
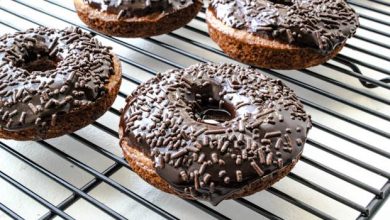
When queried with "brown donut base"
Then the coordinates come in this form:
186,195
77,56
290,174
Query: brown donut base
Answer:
262,52
143,166
77,118
145,26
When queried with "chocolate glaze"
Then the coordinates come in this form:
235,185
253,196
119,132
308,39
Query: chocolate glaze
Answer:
318,24
260,127
33,95
131,8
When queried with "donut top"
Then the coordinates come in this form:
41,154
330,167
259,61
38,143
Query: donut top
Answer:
47,72
212,129
318,24
130,8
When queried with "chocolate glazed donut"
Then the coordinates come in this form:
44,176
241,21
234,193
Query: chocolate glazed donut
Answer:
213,132
281,34
137,18
53,82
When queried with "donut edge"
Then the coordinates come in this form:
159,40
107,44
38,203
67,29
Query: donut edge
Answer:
258,51
144,26
77,118
143,167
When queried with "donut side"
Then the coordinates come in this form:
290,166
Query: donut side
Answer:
258,51
75,119
143,166
144,26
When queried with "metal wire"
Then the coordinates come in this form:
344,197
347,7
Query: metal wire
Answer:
9,212
380,195
34,196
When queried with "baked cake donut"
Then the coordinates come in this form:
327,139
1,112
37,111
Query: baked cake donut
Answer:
281,34
136,18
213,131
53,82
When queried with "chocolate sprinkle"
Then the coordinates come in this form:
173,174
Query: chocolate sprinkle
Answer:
257,168
319,24
225,155
41,96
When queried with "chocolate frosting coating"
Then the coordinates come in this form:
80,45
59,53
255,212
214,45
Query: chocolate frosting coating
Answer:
318,24
131,8
211,129
81,67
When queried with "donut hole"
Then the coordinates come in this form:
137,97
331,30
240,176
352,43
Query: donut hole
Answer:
38,59
210,111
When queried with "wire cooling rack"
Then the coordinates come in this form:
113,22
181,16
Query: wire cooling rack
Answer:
343,174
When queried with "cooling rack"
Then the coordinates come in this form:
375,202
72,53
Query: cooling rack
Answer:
343,173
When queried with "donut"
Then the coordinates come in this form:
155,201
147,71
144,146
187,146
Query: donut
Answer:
281,34
53,82
213,131
136,18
